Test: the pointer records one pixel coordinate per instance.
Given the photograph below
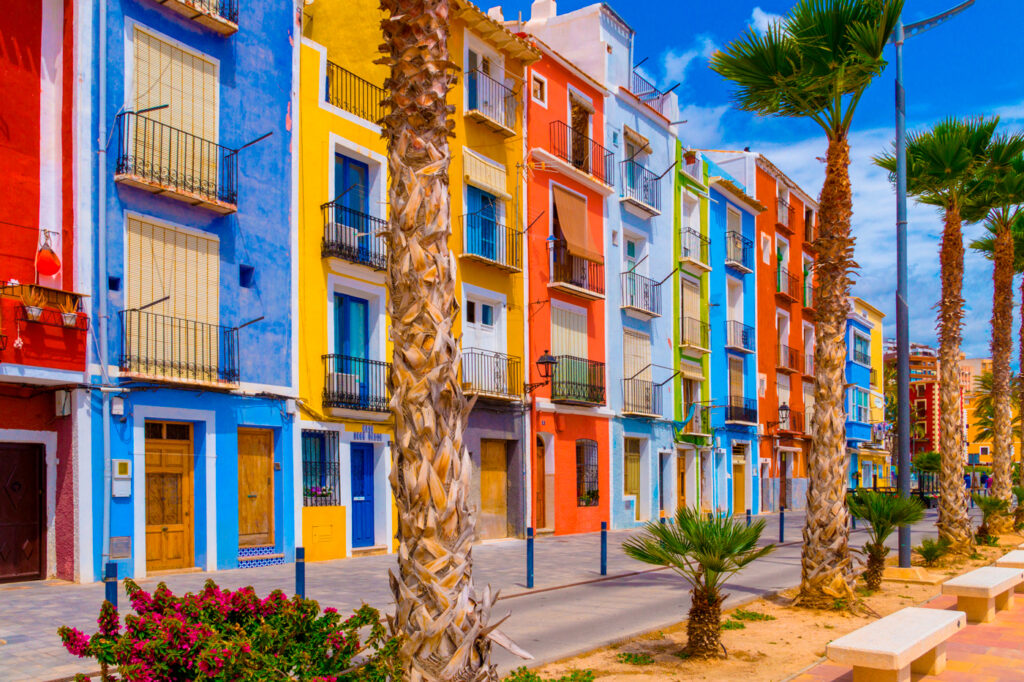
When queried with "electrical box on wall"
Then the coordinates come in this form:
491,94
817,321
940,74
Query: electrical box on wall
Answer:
62,403
121,486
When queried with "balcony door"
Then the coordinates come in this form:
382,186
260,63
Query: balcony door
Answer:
350,225
482,343
569,345
736,381
579,122
351,373
481,223
636,370
362,495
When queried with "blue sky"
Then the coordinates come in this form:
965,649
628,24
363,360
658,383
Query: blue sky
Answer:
968,66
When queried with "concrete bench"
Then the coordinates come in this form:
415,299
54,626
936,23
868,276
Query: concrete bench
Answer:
1014,559
889,649
984,591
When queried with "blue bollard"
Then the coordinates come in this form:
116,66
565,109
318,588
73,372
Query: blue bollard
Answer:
663,520
110,582
748,518
300,571
782,525
529,558
853,522
604,548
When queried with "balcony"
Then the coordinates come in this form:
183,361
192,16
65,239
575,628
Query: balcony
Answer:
356,383
793,423
158,347
577,381
739,409
646,92
739,252
790,360
161,159
490,374
641,189
861,357
52,329
693,167
694,249
353,236
577,276
641,398
808,364
581,154
810,236
695,335
787,286
491,103
784,218
218,15
739,337
698,425
355,95
486,240
641,295
808,294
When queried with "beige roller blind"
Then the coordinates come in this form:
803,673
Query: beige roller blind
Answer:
691,299
485,174
571,212
636,355
568,332
733,221
736,378
691,371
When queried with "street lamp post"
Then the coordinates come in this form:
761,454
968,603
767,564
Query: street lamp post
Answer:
902,319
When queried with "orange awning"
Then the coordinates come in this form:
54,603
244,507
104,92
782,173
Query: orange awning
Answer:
572,219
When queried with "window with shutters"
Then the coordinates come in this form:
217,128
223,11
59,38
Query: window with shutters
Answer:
587,486
568,332
631,466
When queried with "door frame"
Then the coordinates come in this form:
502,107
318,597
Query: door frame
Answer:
373,492
48,439
187,487
268,432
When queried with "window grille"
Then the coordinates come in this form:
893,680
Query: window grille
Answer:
587,489
321,480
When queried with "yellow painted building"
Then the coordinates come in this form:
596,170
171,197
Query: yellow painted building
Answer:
875,450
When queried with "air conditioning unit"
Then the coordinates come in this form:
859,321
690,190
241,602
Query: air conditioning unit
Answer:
343,384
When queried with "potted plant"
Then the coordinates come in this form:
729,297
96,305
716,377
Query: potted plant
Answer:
68,306
32,299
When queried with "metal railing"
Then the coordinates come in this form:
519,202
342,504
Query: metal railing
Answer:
694,169
739,250
861,357
175,349
790,359
808,301
641,185
583,153
225,9
355,95
793,422
356,383
701,421
740,409
810,232
647,92
640,396
577,380
321,470
491,98
809,366
787,284
739,335
488,372
695,245
641,292
162,155
782,214
576,271
694,332
485,237
353,236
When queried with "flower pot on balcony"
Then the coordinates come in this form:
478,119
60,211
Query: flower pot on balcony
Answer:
33,313
69,319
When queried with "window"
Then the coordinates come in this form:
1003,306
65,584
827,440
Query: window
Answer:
568,332
351,327
860,410
861,349
631,467
482,313
766,249
983,450
471,312
539,89
587,494
321,482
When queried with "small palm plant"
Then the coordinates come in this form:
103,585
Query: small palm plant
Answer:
885,513
991,509
706,552
931,550
1018,511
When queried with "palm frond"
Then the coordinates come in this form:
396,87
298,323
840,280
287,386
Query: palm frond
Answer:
884,512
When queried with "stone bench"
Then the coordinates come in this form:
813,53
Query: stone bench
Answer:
1014,559
887,650
983,591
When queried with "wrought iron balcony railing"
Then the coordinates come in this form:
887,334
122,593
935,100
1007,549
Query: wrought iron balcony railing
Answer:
783,214
489,373
641,293
861,357
641,186
353,236
808,300
700,423
581,152
486,238
739,251
794,421
695,333
739,335
491,99
356,383
809,367
790,359
641,397
577,380
577,272
160,158
220,15
786,284
740,409
695,246
163,348
810,233
355,95
647,93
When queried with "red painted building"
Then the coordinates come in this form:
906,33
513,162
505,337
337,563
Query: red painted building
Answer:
568,177
43,333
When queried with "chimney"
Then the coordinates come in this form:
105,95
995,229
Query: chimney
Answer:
542,10
496,13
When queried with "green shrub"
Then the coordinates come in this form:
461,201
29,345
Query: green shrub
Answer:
991,508
631,658
741,614
932,550
885,513
521,674
733,625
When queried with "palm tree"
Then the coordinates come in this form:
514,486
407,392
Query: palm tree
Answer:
444,623
991,507
885,513
943,169
816,64
706,552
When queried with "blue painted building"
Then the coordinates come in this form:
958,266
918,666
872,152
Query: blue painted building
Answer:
858,391
733,360
194,207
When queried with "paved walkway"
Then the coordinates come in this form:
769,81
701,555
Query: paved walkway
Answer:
570,610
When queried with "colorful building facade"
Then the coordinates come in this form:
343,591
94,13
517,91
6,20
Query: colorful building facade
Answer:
857,372
869,459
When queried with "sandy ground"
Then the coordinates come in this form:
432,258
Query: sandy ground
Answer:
767,649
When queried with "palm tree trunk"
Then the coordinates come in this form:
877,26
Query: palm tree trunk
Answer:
704,625
953,522
1002,343
443,623
826,567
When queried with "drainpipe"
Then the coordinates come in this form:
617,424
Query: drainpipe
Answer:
101,266
528,448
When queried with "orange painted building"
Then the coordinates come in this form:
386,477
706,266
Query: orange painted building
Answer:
568,177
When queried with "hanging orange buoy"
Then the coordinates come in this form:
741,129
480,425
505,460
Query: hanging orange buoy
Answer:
47,261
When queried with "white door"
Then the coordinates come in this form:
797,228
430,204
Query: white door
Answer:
483,364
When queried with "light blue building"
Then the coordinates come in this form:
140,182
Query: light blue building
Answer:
858,392
733,359
194,208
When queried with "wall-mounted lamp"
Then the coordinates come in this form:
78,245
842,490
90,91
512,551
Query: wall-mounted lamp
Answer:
545,366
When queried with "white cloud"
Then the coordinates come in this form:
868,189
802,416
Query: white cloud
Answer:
761,20
703,127
675,63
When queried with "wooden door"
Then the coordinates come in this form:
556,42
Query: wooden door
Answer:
361,460
681,481
739,487
169,499
255,487
539,488
22,506
493,490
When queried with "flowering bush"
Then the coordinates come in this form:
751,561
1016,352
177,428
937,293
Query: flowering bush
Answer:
319,491
218,634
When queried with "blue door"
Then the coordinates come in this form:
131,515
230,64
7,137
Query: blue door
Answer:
352,204
351,346
481,223
362,495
